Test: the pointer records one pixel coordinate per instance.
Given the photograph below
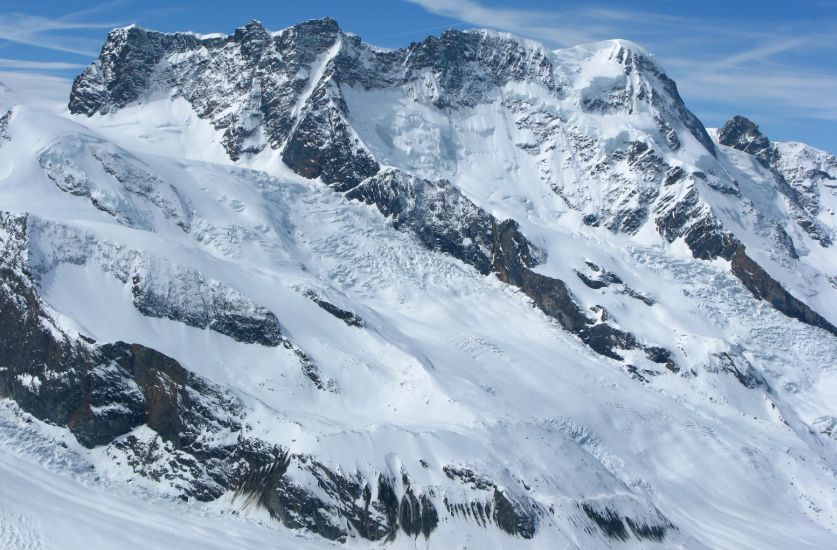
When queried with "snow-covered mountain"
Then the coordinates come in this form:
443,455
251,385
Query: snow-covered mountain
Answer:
469,293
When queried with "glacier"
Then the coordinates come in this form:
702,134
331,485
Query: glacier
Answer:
292,289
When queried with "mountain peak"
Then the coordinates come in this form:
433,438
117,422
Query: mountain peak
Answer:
633,56
631,47
742,124
617,49
127,28
323,26
743,134
253,24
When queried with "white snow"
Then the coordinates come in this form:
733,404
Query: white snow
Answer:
452,367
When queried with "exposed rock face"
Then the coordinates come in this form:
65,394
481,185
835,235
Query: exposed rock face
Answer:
513,260
436,212
619,529
4,126
513,517
742,370
689,217
185,295
466,67
743,134
103,392
799,186
599,278
351,319
161,288
114,182
256,88
811,172
763,286
375,509
517,515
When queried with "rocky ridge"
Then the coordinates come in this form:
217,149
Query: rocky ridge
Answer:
299,92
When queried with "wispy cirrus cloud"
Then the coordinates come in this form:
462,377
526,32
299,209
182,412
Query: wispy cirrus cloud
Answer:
24,65
58,33
759,53
568,26
546,25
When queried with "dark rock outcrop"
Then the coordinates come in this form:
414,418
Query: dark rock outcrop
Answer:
103,392
512,516
619,527
417,515
265,75
372,508
4,126
324,146
468,476
601,278
690,218
742,370
437,213
516,514
766,288
743,134
707,239
351,319
186,296
513,259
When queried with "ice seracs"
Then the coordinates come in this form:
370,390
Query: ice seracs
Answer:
471,291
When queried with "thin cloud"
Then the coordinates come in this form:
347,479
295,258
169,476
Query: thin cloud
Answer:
60,33
714,61
793,92
760,53
417,31
99,9
25,65
53,33
539,24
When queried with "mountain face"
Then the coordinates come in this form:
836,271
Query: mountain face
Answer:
801,172
471,290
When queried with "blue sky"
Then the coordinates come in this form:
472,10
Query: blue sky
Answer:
774,61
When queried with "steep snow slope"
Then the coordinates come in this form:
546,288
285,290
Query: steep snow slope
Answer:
607,369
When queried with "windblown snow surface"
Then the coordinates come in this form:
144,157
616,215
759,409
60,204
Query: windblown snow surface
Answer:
446,367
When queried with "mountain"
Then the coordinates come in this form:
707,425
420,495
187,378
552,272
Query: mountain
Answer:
804,175
468,292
